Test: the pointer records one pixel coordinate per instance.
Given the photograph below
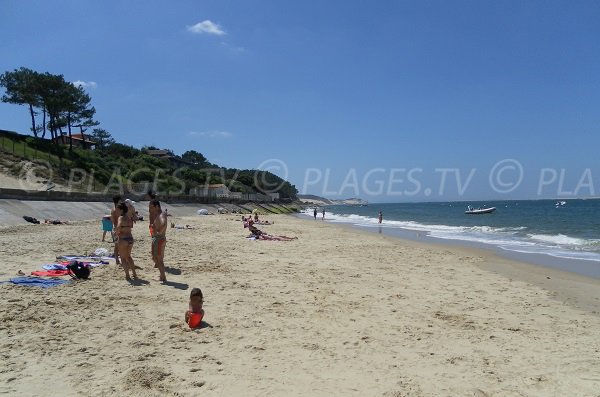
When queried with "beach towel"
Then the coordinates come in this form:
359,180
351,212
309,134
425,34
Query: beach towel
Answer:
54,266
84,258
95,264
50,273
38,282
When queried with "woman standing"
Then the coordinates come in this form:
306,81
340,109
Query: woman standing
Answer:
125,241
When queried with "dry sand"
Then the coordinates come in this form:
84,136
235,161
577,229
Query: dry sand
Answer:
28,179
337,312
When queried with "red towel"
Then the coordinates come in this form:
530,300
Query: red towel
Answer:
50,273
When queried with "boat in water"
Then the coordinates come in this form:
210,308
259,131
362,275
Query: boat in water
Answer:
477,211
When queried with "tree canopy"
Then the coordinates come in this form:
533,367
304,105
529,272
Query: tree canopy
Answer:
63,106
61,103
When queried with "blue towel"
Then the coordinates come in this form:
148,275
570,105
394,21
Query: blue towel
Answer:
38,282
54,266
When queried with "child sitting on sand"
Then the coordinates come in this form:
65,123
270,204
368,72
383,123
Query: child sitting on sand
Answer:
195,313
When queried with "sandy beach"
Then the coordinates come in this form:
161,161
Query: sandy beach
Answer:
338,312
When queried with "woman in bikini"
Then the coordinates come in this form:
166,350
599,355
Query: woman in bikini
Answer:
125,241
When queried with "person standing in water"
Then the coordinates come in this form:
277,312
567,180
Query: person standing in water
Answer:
315,213
380,217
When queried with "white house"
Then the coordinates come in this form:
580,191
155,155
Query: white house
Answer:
215,190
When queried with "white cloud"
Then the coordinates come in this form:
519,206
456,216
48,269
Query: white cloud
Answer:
206,27
211,134
85,84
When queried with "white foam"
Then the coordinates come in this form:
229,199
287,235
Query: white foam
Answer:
506,238
559,239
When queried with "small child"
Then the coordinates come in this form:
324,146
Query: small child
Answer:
195,313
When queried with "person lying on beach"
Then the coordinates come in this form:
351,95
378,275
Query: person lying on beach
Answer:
195,313
271,237
265,222
253,229
174,226
56,222
260,235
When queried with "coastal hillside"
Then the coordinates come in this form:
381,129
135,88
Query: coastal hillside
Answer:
40,164
311,199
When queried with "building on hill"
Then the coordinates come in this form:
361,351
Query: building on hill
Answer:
78,140
163,154
216,190
220,191
159,153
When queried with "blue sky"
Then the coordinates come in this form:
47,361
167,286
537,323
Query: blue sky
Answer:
366,92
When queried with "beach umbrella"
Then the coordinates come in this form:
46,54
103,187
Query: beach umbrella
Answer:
202,211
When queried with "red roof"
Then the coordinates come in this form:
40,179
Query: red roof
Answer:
75,137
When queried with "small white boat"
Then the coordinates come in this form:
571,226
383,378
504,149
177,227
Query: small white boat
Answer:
476,211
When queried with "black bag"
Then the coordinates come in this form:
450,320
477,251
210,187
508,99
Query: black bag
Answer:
31,219
78,270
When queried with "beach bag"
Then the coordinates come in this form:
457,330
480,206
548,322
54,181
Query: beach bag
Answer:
78,270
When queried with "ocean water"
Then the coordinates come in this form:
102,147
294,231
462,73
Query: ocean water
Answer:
568,230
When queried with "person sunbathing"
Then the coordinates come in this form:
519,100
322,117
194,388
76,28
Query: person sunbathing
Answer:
264,223
271,237
260,235
56,222
188,227
253,229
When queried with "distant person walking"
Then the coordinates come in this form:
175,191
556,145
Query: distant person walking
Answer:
380,217
323,214
315,213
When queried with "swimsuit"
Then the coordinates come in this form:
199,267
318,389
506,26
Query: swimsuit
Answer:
195,319
158,245
107,225
129,239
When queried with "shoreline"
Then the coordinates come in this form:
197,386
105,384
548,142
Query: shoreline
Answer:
581,291
560,242
582,267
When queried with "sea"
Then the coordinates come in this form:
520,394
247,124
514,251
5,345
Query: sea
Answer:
563,234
